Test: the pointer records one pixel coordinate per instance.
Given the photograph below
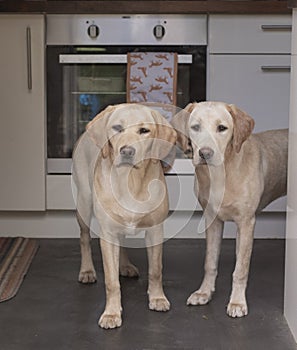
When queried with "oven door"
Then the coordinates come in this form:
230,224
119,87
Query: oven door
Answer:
83,81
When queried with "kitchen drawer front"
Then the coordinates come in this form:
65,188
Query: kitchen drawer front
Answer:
250,33
59,193
180,188
181,193
258,84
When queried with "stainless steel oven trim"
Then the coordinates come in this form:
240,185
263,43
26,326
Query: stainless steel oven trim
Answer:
108,59
64,166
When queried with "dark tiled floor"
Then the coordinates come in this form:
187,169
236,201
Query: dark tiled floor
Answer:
53,311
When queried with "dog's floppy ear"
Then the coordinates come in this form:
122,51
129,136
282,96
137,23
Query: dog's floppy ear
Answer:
243,126
96,129
163,148
180,123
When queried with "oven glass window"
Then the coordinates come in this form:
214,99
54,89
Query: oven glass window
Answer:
87,90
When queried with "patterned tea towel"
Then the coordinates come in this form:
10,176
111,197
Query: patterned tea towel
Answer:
152,79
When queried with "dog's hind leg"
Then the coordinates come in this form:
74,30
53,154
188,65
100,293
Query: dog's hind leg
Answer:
127,269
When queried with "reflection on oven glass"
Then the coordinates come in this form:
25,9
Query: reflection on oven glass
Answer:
88,89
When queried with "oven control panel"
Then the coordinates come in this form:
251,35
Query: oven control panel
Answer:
126,30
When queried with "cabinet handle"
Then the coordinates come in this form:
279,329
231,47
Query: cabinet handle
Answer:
275,68
29,58
276,27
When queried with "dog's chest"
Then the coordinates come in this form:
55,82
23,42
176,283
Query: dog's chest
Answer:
214,195
122,218
210,186
217,205
131,202
128,228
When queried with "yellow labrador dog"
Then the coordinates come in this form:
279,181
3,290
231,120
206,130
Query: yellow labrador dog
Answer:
119,176
237,174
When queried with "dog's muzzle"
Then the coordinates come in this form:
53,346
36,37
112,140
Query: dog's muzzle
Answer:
127,154
206,154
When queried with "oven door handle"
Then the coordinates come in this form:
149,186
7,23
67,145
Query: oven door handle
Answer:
108,59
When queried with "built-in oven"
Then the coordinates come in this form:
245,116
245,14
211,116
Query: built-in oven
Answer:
87,68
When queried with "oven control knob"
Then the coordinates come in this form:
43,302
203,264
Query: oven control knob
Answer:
93,31
159,31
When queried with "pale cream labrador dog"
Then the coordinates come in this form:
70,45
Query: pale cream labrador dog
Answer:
118,172
237,175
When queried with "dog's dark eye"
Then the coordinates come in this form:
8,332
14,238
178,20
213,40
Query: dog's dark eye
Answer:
117,128
195,127
143,131
221,128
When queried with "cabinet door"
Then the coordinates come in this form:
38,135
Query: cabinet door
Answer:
22,113
258,84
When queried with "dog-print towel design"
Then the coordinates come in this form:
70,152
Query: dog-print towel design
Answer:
151,78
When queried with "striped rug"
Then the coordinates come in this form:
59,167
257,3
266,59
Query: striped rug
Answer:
16,255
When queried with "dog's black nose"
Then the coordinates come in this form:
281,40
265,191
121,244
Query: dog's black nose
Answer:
127,151
206,153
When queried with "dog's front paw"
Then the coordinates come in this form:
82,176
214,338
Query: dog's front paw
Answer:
87,276
237,310
199,298
159,304
129,271
109,321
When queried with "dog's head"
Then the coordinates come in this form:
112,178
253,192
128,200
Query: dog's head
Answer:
132,134
212,127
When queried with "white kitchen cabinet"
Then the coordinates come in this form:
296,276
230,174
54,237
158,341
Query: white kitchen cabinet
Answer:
249,65
22,113
258,84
